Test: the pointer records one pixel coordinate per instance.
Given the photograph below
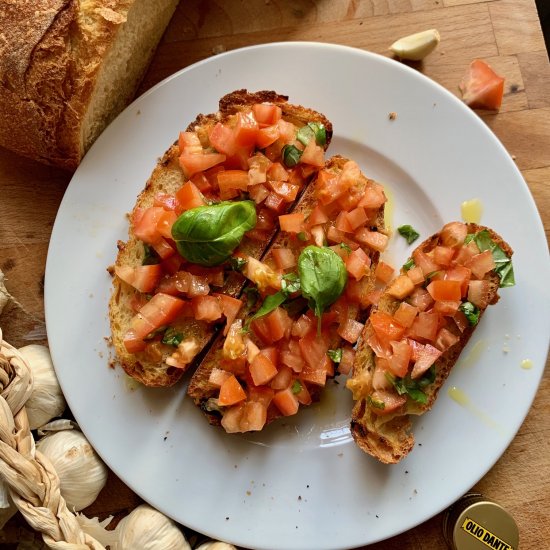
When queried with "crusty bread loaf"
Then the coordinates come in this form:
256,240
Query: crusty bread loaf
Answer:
68,67
388,437
168,177
200,389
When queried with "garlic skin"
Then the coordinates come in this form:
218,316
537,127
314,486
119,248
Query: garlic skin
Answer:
147,529
81,472
46,400
416,47
216,545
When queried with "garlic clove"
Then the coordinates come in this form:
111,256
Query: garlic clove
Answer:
81,472
215,545
46,400
416,46
147,529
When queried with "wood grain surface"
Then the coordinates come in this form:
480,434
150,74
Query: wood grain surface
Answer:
504,32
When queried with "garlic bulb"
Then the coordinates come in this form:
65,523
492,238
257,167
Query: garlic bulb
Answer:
147,529
81,472
215,545
46,400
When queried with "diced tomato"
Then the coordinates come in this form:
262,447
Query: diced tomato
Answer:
380,377
287,130
348,358
445,339
133,343
165,200
317,216
284,258
261,274
358,264
230,181
218,377
202,183
145,227
189,196
315,375
342,223
446,307
261,394
172,264
144,278
189,142
453,234
293,360
461,274
276,203
160,310
286,402
461,321
234,346
313,154
313,349
292,223
426,356
266,113
383,272
246,129
481,264
425,262
425,326
288,191
222,139
163,248
357,217
416,275
373,197
445,290
327,187
283,379
350,330
165,222
267,136
385,326
198,162
385,402
401,287
258,193
481,87
302,326
421,299
405,314
206,308
254,416
277,172
303,396
478,293
261,330
465,254
230,308
279,323
401,356
372,297
443,255
381,348
231,392
373,239
231,419
262,370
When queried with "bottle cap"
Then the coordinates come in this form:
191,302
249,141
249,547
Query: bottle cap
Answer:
477,523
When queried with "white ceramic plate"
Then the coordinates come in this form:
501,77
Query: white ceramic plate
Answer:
303,484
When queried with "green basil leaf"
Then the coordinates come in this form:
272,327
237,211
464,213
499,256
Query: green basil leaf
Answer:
375,403
408,232
314,130
417,395
469,238
290,283
346,247
172,338
503,264
323,277
150,257
291,155
302,236
428,378
237,264
296,387
335,355
271,302
409,264
208,235
252,296
413,388
472,312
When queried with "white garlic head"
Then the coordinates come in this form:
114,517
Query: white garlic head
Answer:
81,472
46,400
147,529
215,545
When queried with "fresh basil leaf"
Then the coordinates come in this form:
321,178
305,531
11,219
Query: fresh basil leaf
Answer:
207,235
335,355
296,387
150,257
237,264
290,283
314,130
469,238
302,236
172,338
408,232
252,296
271,302
503,264
413,388
323,277
471,312
430,275
409,264
428,378
417,395
346,247
375,403
291,155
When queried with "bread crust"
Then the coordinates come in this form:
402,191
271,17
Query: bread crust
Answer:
167,177
388,437
200,389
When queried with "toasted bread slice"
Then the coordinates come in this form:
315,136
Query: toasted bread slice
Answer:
203,392
388,437
149,367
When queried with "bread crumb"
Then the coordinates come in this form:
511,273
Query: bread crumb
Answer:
392,115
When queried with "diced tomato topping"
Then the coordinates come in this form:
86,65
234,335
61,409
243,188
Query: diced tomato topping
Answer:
288,191
386,327
405,314
145,225
287,130
357,217
231,181
218,377
246,129
478,293
461,274
191,163
481,87
425,326
401,356
445,307
427,264
385,402
267,136
383,272
284,258
172,264
266,113
373,197
358,264
303,396
481,264
163,248
443,255
279,323
206,308
231,392
416,275
342,223
230,308
160,310
189,196
426,356
283,379
277,172
189,142
261,330
262,370
401,287
348,358
222,139
165,223
258,193
317,216
133,343
286,402
445,290
373,239
350,330
276,203
453,234
292,223
461,321
313,154
421,299
144,278
445,339
165,200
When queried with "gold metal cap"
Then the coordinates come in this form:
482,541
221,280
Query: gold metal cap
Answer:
477,523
